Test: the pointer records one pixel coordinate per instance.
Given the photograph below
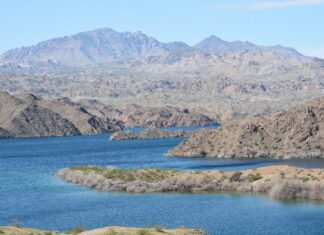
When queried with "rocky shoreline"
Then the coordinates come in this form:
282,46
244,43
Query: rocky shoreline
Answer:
113,230
149,134
281,182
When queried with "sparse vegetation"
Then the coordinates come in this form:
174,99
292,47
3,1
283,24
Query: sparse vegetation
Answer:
274,179
10,230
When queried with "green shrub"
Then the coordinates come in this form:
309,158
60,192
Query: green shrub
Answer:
112,232
254,177
236,176
305,179
203,153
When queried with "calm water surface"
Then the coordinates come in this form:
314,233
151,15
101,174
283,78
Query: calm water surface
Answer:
31,193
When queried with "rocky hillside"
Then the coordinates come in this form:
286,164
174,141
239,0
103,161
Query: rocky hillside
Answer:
295,133
28,115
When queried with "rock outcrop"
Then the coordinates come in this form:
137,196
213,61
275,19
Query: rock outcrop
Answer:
281,182
295,133
149,134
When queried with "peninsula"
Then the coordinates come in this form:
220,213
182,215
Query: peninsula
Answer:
281,182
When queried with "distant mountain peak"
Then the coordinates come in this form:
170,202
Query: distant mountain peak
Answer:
105,45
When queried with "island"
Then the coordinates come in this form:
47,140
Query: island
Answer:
151,133
279,181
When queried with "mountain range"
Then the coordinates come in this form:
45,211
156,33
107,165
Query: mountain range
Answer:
106,45
214,77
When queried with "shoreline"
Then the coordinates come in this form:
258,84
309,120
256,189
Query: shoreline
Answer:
110,230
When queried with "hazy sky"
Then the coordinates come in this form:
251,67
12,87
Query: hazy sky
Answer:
295,23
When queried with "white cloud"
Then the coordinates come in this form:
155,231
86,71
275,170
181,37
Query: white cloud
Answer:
314,51
268,4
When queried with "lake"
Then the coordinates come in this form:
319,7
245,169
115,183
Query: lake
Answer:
32,194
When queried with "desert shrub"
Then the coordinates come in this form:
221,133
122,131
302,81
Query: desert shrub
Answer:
158,228
143,232
319,147
76,230
290,189
203,153
48,233
305,179
254,177
112,232
235,177
87,169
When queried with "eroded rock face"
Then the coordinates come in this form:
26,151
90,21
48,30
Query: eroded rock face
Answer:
148,134
295,133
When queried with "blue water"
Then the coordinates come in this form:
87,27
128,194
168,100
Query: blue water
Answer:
31,193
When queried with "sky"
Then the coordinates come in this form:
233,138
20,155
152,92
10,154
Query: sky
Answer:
294,23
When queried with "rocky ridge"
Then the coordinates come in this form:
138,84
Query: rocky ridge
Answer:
295,133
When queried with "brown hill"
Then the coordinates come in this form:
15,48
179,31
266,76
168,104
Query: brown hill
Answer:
28,115
295,133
